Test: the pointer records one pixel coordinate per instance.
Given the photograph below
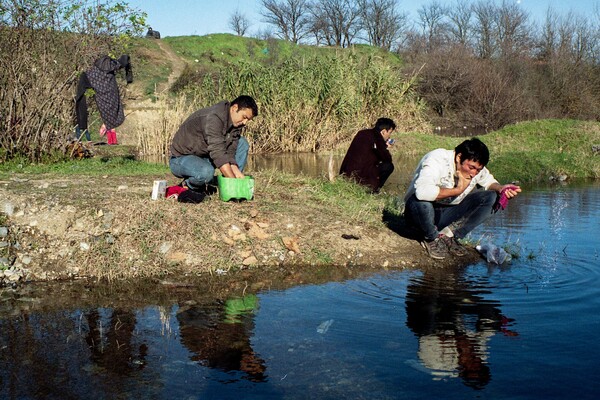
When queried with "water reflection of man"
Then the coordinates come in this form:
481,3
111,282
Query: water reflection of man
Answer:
219,336
453,324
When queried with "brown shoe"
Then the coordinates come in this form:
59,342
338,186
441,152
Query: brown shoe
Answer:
436,248
454,247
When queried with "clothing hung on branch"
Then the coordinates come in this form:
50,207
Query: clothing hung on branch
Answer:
102,78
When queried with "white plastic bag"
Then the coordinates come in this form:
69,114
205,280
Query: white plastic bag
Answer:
493,253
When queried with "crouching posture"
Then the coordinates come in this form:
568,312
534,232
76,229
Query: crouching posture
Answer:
368,160
441,200
211,139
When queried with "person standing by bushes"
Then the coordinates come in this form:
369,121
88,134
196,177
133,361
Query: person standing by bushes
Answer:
102,78
368,160
211,138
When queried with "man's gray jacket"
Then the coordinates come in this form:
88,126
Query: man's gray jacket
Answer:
208,132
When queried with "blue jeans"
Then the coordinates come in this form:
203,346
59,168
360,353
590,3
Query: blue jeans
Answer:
200,171
430,217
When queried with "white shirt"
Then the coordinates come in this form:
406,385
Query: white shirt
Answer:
436,170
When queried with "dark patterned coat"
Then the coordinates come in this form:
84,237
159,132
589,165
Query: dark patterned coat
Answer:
102,78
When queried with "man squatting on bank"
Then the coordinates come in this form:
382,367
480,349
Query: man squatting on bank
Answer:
441,200
211,138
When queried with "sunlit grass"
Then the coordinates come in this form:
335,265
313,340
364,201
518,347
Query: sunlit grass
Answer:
124,165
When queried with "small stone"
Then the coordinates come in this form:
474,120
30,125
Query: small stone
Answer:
177,257
3,231
9,209
165,247
122,188
26,260
250,261
84,246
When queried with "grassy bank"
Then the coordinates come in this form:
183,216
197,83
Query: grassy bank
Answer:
532,151
94,217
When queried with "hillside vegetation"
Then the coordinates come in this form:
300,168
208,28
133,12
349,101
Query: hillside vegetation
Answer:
297,87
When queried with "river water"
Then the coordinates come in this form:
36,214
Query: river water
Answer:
524,330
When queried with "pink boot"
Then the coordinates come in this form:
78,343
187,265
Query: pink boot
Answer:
111,136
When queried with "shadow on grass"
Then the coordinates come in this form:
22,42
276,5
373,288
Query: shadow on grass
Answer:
398,224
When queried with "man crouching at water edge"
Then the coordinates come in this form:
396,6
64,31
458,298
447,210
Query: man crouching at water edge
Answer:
441,201
368,160
211,138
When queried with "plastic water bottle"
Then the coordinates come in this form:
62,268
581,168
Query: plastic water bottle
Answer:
493,253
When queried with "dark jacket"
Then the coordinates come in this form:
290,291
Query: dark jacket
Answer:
367,150
208,132
102,78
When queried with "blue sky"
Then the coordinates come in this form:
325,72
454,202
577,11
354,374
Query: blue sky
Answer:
201,17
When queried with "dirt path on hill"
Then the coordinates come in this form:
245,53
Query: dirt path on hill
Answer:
177,65
142,111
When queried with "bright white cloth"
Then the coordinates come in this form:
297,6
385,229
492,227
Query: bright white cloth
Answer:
437,169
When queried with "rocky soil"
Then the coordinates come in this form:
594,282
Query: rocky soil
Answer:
56,228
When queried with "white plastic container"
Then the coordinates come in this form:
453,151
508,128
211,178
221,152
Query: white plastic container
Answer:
158,190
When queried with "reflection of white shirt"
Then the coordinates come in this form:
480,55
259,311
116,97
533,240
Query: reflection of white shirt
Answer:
439,352
437,169
439,355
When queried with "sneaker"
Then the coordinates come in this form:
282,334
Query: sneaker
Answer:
453,245
436,248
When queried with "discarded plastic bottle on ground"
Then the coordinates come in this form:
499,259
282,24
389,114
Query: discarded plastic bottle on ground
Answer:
493,253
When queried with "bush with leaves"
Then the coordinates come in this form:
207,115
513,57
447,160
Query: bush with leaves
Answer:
44,46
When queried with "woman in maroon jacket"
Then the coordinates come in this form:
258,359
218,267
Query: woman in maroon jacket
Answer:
368,160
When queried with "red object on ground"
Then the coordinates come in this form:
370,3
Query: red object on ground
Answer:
173,192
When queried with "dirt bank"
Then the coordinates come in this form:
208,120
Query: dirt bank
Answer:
107,227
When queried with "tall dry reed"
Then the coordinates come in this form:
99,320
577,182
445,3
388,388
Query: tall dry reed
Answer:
154,129
313,103
306,104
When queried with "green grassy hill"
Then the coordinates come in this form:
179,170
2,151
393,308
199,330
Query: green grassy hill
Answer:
324,109
211,53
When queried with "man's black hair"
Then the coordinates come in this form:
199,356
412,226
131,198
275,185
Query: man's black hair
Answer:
246,102
473,149
384,123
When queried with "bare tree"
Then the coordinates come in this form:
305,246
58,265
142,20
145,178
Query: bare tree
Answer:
548,36
320,28
290,18
239,23
381,21
513,29
431,17
460,27
485,27
339,20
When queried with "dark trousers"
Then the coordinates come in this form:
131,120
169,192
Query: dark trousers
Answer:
430,217
81,109
385,170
